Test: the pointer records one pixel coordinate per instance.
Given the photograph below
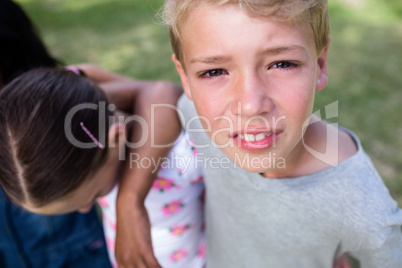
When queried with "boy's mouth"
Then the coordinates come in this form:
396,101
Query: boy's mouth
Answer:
256,142
252,137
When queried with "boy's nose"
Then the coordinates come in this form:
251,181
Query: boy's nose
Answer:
251,98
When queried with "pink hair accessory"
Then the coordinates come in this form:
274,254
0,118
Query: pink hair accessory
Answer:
92,136
73,69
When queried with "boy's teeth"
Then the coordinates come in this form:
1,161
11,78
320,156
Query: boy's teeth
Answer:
259,137
251,137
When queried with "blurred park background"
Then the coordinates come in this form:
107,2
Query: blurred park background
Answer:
365,60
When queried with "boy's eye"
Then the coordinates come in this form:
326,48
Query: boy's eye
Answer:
284,65
213,73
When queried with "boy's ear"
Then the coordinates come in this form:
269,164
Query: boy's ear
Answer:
183,76
322,70
117,135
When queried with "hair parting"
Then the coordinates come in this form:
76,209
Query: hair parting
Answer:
39,164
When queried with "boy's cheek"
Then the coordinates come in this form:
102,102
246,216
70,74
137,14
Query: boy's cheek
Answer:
207,107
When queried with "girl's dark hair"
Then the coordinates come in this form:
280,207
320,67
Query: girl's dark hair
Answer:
20,47
38,163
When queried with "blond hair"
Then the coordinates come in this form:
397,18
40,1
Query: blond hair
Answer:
314,12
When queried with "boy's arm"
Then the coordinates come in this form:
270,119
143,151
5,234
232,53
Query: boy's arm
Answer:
133,237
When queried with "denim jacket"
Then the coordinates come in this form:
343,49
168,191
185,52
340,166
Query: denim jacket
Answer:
29,240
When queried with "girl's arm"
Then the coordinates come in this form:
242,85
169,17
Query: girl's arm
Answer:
133,238
99,75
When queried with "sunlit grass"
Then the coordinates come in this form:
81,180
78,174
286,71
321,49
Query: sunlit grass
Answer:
365,64
120,35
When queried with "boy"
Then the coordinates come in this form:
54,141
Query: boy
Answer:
251,69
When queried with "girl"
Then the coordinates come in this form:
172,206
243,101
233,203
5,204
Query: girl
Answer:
72,240
60,148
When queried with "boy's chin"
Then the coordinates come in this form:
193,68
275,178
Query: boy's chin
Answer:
258,164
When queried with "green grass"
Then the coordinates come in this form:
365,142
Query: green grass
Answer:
119,35
365,64
365,60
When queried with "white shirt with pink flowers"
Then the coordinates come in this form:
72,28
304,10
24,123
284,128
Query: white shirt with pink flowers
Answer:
175,207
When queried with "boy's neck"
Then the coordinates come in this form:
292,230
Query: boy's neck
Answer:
323,146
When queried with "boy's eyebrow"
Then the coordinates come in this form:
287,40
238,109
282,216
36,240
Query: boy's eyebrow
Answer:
281,49
267,51
209,59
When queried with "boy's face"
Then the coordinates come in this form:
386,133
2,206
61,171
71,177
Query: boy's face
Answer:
254,80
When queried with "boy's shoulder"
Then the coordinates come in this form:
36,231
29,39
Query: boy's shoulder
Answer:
326,146
358,190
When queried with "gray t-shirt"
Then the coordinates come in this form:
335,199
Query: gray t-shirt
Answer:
308,221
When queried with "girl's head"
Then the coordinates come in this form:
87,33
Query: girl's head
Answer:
40,169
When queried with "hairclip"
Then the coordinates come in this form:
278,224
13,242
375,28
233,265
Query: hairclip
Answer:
92,136
75,70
